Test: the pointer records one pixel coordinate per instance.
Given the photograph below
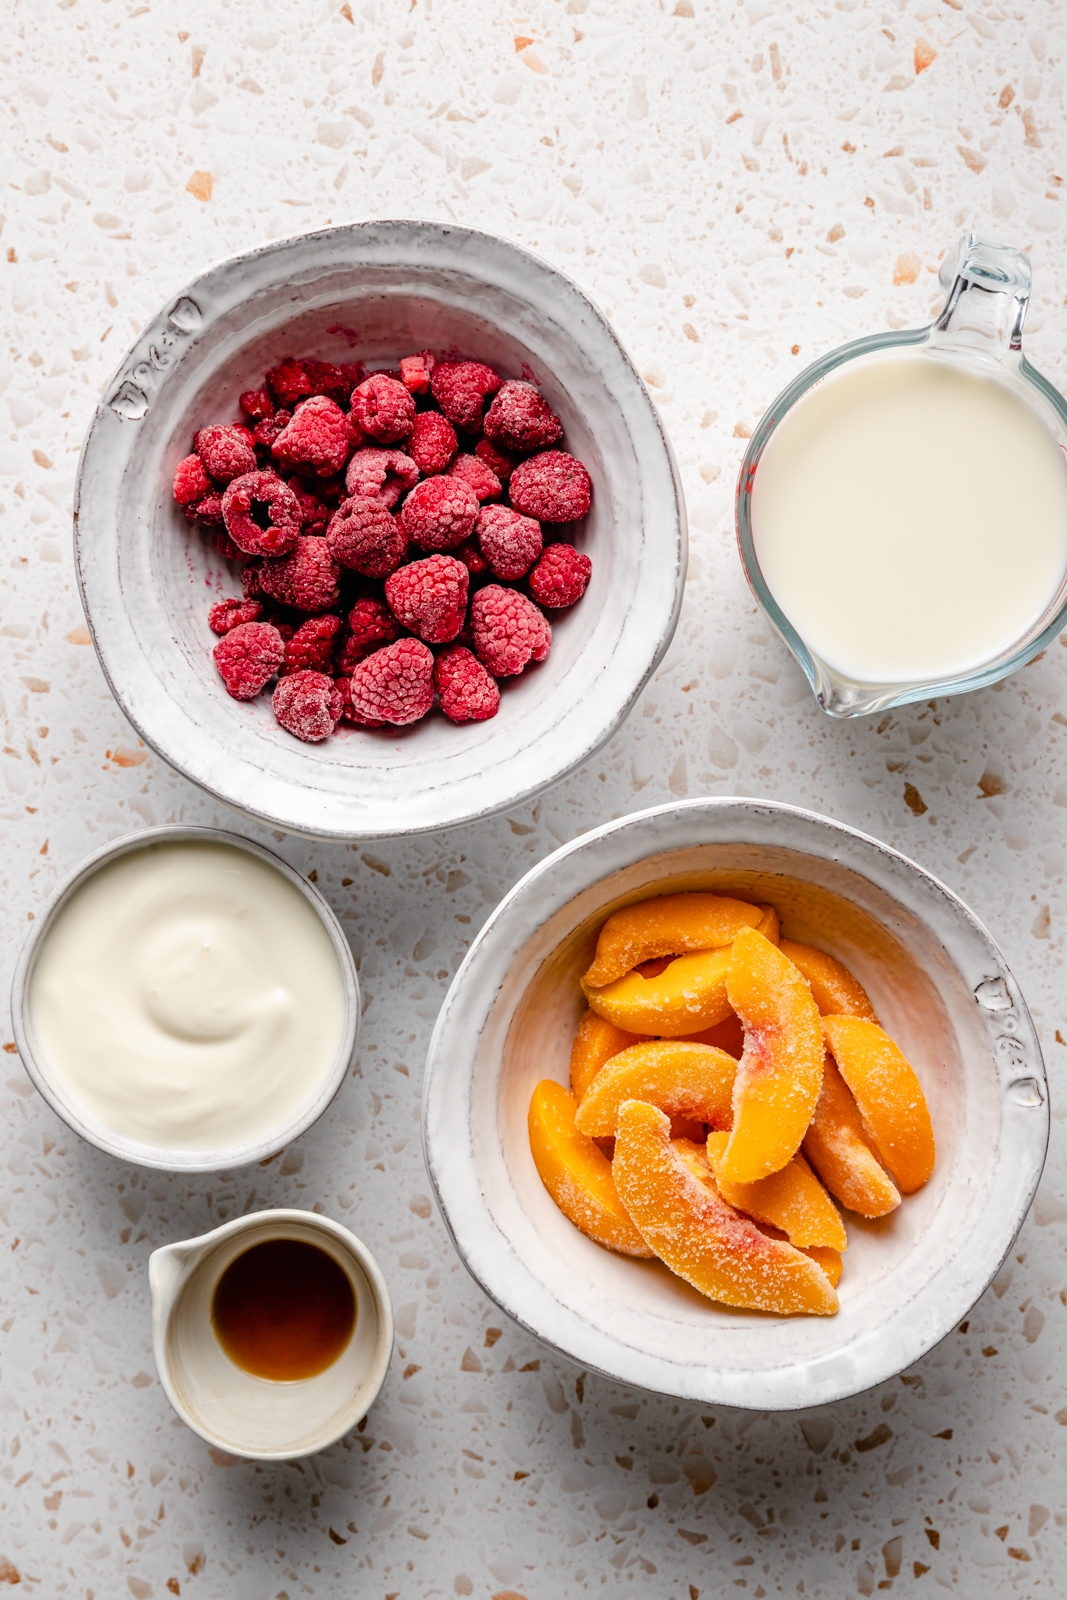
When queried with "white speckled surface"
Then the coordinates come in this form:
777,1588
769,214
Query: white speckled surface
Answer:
728,185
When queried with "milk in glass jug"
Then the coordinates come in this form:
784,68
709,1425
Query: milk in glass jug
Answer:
902,507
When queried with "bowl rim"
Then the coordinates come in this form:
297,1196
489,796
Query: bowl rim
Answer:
131,1150
597,725
164,1304
448,1149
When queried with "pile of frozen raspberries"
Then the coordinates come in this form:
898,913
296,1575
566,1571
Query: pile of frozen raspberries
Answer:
391,531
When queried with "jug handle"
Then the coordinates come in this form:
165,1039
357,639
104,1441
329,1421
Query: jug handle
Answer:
988,293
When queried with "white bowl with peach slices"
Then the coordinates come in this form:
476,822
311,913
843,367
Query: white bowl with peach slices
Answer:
732,1102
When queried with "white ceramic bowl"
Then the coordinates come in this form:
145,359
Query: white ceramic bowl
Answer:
942,990
375,291
104,1138
231,1408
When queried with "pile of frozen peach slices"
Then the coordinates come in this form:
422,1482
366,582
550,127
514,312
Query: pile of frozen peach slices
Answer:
727,1087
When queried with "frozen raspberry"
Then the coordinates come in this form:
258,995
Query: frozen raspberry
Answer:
520,418
560,577
471,557
313,514
317,437
365,537
430,597
261,514
510,542
308,704
552,486
311,646
461,389
509,631
370,624
416,372
336,383
439,513
226,452
279,617
267,431
381,475
482,480
331,490
247,657
354,372
393,685
466,691
432,442
306,580
257,404
229,614
250,581
224,545
191,482
288,382
347,714
498,461
382,407
207,510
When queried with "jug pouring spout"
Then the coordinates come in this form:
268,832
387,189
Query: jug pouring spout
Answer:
169,1268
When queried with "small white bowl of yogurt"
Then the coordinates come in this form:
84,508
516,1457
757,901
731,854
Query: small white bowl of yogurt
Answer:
902,507
186,1001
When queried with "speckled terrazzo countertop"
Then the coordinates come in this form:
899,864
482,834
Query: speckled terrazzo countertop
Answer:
741,188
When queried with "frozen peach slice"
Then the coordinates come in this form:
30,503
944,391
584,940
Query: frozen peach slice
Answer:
835,991
690,994
576,1174
889,1097
728,1036
779,1075
595,1042
684,1080
829,1260
669,925
837,1148
793,1200
768,923
692,1155
701,1238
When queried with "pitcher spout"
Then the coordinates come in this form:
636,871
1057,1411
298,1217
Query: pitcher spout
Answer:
168,1270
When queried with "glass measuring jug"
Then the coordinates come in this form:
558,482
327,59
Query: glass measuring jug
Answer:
902,507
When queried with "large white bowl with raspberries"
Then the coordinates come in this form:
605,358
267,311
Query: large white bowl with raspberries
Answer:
155,551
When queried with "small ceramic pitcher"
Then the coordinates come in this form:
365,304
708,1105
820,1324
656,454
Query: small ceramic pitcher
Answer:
231,1408
980,329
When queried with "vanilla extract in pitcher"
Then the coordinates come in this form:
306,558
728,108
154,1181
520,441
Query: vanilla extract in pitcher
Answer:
284,1310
